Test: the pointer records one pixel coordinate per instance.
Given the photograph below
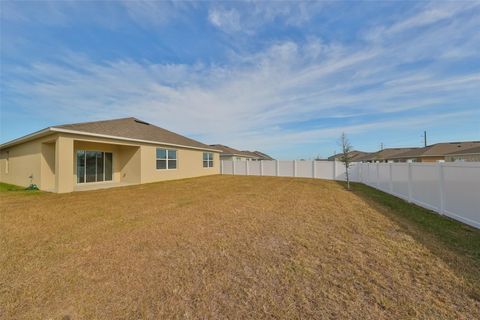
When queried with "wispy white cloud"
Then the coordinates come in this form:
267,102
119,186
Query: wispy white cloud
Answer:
226,19
212,102
256,98
155,13
248,16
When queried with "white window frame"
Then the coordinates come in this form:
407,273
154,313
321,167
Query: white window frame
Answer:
166,159
210,157
85,166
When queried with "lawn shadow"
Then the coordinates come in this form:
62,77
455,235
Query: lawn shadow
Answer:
455,243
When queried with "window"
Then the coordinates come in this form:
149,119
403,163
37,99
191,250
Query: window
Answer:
166,159
208,160
94,166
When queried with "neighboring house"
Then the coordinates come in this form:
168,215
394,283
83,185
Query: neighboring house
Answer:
472,154
435,152
257,155
101,154
229,153
354,155
385,155
263,156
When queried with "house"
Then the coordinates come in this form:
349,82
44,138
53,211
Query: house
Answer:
471,154
354,155
263,156
230,154
435,152
101,154
257,155
385,155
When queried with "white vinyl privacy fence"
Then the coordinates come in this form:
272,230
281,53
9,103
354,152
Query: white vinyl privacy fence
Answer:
451,189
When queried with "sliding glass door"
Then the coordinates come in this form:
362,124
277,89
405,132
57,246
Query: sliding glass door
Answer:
94,166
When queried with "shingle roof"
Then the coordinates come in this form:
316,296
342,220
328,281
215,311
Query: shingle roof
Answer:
474,150
257,155
263,156
132,128
250,154
385,154
354,154
439,149
229,151
244,153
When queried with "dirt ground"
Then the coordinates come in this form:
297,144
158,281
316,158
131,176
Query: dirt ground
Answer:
225,247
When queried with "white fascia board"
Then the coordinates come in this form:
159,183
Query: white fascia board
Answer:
49,130
26,138
128,139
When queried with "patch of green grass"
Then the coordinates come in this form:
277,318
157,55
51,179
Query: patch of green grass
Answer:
5,187
423,222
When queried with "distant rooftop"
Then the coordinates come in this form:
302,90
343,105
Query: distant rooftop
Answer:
385,154
439,149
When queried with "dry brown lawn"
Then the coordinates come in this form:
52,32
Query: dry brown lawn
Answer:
225,247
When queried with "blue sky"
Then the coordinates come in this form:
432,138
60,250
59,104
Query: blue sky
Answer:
286,78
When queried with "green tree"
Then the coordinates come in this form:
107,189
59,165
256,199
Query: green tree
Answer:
346,157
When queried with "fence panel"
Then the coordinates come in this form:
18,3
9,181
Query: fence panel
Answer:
354,172
340,173
254,168
285,168
324,170
400,180
424,185
461,191
269,167
383,176
372,175
227,167
240,168
304,168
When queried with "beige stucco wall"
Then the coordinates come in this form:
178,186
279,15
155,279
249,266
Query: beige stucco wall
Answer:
430,159
466,158
130,164
52,162
47,166
189,164
25,160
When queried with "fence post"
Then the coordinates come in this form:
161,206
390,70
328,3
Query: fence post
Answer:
233,167
441,188
247,167
221,166
390,178
334,169
368,173
378,174
294,168
313,169
277,168
261,167
409,182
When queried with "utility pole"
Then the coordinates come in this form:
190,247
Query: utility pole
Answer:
381,146
425,138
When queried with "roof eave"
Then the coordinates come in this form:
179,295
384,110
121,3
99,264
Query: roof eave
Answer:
61,130
28,137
